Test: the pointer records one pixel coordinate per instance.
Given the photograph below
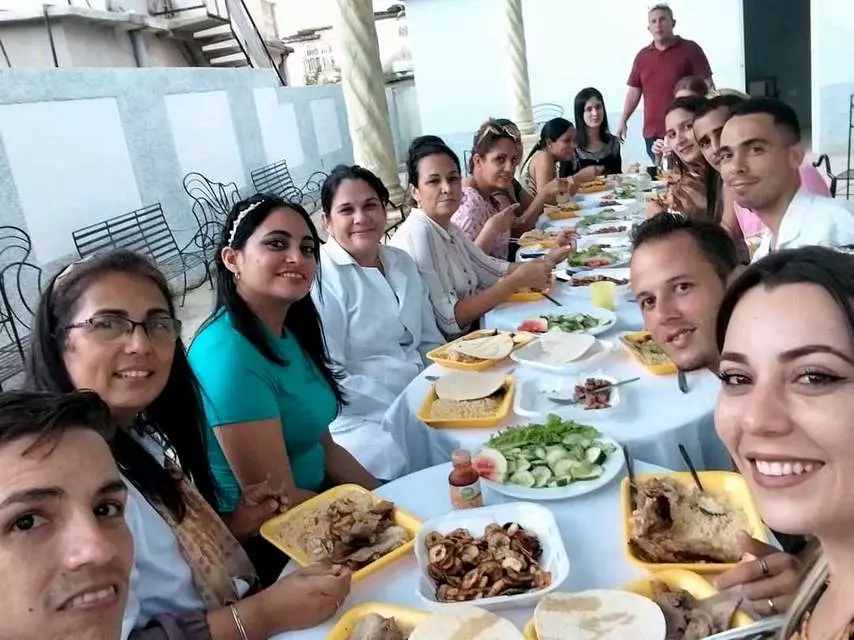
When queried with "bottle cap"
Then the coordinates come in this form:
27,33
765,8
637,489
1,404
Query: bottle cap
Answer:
461,456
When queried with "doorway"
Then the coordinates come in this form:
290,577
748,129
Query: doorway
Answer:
777,54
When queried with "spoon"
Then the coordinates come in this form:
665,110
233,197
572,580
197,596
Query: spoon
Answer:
691,467
604,387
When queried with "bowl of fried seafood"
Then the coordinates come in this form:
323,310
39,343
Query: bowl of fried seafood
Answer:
347,525
503,556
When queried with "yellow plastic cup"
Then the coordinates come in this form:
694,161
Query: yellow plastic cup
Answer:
602,294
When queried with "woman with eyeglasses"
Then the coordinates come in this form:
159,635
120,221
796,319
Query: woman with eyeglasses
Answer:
463,282
489,210
378,325
108,324
269,388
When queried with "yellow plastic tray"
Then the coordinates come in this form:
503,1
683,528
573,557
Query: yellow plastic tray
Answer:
548,243
530,296
557,213
724,484
407,619
595,187
468,423
438,355
664,369
270,528
691,582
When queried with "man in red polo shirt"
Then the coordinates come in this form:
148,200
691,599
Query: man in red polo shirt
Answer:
655,72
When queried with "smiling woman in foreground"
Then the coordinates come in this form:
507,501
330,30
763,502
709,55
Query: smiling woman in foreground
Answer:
784,413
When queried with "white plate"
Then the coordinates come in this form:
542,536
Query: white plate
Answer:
613,466
593,228
622,273
607,319
532,517
532,355
617,242
532,397
623,256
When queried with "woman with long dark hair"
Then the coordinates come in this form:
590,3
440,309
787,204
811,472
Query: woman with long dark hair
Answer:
269,389
555,147
786,334
595,146
108,324
379,326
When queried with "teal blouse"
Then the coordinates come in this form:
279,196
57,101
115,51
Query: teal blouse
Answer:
240,385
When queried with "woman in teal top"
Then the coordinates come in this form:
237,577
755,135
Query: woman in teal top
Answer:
267,386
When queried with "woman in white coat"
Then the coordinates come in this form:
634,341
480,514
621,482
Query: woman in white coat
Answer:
378,323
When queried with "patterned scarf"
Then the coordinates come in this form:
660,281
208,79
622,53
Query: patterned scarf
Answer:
213,554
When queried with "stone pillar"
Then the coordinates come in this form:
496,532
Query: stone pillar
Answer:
363,82
523,116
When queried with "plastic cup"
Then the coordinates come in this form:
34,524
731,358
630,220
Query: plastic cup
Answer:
602,294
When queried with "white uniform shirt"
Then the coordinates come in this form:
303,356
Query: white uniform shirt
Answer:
810,220
377,330
452,265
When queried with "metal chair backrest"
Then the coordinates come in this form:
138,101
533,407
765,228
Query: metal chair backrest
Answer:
276,179
834,179
143,230
545,112
211,200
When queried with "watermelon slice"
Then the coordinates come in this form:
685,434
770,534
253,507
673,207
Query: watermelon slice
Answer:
490,464
534,325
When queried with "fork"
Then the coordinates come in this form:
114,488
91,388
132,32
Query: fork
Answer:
682,381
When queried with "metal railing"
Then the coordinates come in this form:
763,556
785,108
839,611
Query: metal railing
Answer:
216,8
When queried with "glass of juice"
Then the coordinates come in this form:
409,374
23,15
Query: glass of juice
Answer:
602,294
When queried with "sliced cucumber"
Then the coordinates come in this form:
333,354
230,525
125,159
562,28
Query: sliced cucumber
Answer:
552,484
523,479
564,481
555,455
563,467
608,448
541,453
592,472
521,465
572,439
595,455
511,466
541,476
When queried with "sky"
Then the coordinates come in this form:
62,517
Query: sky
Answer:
304,14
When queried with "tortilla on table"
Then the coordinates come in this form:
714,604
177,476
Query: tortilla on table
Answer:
467,385
462,622
495,347
598,615
566,347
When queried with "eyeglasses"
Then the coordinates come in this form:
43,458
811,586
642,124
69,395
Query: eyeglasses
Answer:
506,130
159,329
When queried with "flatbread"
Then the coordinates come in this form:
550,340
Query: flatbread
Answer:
466,385
598,615
464,622
565,347
495,347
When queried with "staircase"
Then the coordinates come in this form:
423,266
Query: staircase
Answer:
213,38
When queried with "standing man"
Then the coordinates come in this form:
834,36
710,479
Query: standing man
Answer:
655,72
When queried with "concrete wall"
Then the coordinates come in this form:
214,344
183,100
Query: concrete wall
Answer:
777,44
402,98
80,146
832,77
83,44
460,59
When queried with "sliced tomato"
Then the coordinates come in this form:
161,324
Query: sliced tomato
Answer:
597,262
534,325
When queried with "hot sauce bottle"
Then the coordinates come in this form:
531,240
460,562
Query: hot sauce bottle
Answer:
465,482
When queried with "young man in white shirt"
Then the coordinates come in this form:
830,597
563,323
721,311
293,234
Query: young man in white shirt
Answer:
760,157
65,550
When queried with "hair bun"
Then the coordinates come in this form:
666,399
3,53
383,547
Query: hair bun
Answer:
426,141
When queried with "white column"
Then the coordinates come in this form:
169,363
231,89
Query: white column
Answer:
514,25
363,82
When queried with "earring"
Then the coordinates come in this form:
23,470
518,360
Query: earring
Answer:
237,276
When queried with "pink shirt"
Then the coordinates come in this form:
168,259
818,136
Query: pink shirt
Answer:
811,180
474,212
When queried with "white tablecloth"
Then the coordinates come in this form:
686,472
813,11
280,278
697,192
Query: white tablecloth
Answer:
590,525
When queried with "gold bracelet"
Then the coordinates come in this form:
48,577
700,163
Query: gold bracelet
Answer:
235,615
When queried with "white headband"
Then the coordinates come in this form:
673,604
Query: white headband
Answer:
238,220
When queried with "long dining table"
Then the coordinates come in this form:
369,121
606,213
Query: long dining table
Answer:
590,526
654,416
